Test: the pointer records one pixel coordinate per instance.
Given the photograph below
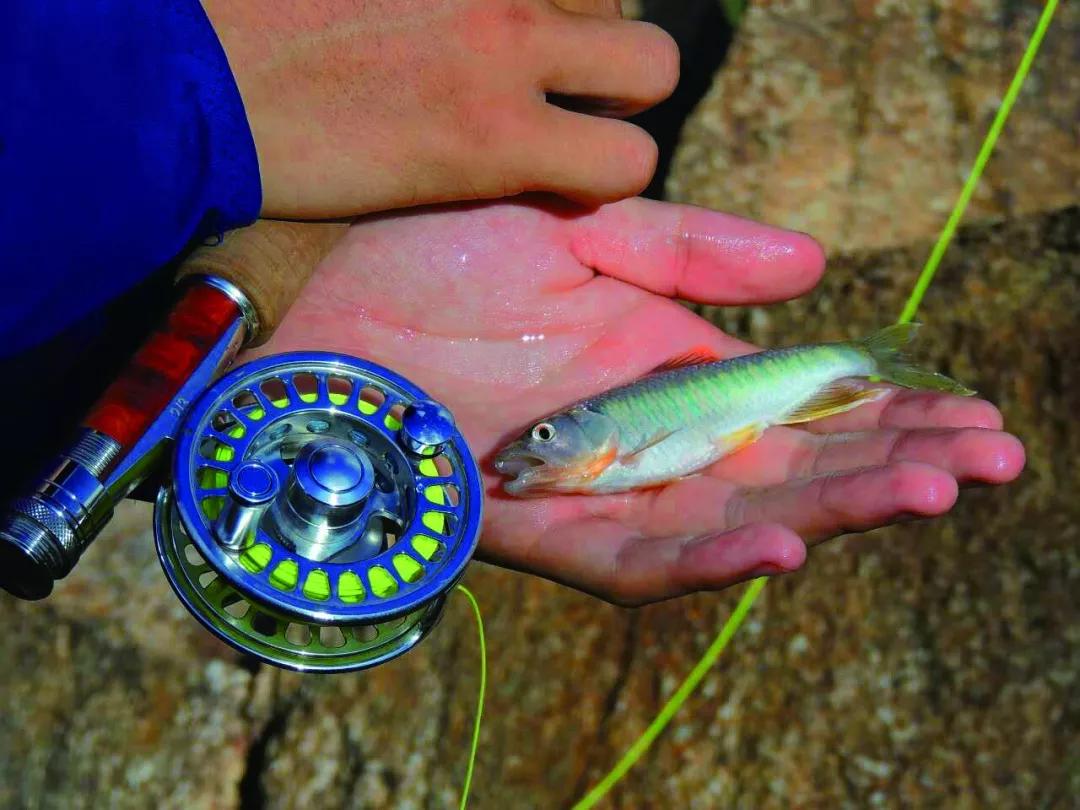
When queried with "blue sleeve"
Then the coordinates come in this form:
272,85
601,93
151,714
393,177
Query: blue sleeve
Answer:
122,139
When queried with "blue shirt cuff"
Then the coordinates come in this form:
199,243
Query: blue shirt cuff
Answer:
123,137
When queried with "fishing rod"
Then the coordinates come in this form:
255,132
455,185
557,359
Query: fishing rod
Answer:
312,509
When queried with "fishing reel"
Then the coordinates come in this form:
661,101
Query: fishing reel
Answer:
314,509
320,509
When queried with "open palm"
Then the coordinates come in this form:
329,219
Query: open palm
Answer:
508,311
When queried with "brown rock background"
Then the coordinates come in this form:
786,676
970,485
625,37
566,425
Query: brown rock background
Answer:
933,665
857,122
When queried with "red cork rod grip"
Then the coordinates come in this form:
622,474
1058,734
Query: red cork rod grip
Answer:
163,364
269,262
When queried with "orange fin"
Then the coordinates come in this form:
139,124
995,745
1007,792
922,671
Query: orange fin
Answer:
697,356
836,398
743,437
632,457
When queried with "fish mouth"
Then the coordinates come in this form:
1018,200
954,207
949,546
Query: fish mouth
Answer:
526,470
517,462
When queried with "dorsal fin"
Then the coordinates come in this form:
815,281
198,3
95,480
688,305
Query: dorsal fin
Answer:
697,356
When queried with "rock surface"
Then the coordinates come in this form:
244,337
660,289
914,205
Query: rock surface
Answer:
933,665
857,122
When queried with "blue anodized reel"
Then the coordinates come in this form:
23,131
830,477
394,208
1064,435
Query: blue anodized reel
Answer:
321,509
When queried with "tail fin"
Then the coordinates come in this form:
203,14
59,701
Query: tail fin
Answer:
886,347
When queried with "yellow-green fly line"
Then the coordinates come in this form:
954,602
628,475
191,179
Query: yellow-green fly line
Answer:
480,697
750,595
922,284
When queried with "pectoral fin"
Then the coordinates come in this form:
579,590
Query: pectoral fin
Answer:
634,455
836,398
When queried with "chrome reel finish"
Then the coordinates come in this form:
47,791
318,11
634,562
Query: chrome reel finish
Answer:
320,510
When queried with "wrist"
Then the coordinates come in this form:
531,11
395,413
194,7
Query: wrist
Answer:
238,160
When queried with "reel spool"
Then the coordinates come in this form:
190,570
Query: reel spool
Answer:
320,510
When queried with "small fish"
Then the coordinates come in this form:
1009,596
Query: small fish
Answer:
696,409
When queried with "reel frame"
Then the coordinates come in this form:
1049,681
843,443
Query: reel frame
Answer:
309,608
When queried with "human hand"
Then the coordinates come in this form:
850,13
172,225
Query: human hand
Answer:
506,312
367,106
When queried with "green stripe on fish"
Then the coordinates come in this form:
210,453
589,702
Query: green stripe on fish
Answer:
696,409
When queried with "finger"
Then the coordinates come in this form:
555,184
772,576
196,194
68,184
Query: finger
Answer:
634,63
651,569
597,8
592,105
689,252
588,159
859,501
607,9
903,408
601,557
971,455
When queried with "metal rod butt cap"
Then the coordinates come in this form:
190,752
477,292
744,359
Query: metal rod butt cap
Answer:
31,558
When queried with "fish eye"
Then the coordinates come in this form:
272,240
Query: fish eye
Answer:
544,432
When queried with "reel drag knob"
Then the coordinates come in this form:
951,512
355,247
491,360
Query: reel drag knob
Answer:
321,508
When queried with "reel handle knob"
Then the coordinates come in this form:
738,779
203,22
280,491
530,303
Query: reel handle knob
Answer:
425,427
252,488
